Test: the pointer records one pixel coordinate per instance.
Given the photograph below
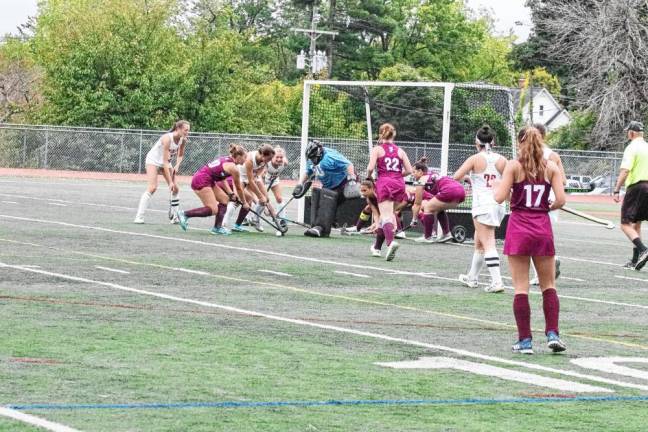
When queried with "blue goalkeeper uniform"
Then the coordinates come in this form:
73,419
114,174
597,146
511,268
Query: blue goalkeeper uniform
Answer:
332,169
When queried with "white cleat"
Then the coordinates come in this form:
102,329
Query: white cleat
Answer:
175,220
138,220
400,235
374,252
494,288
444,238
391,250
470,283
424,239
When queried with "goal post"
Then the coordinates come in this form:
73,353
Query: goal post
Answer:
433,119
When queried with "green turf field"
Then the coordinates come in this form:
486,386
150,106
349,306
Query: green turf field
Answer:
111,326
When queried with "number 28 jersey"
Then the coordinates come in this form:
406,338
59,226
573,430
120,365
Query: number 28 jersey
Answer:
482,184
390,165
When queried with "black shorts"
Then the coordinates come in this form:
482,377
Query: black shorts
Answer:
635,203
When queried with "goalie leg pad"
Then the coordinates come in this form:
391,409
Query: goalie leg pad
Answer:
327,208
314,205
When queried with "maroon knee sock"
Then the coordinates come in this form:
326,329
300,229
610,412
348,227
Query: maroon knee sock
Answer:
388,229
218,220
522,313
198,212
380,238
241,216
444,220
551,308
428,224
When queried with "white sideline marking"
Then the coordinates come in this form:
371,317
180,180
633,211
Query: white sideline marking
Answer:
275,273
352,274
30,266
9,202
240,311
496,372
631,278
112,270
78,203
36,421
285,255
57,204
609,365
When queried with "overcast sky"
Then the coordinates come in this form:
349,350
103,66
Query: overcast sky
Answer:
506,13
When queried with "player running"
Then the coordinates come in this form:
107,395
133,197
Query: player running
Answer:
158,161
392,165
529,235
484,168
211,186
447,194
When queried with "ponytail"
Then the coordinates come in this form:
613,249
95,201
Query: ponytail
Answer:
531,153
236,150
386,133
485,137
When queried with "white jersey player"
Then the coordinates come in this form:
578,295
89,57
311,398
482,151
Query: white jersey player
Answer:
158,161
484,170
272,176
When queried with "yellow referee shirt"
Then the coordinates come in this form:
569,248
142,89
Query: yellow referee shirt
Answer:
635,160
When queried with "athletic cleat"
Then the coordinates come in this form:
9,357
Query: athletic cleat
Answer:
183,221
523,347
424,239
494,288
400,235
470,283
315,231
444,238
175,220
391,250
220,231
138,220
257,225
557,268
630,265
534,281
366,230
554,343
374,252
239,228
641,261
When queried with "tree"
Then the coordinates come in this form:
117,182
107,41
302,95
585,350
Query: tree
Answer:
604,42
20,80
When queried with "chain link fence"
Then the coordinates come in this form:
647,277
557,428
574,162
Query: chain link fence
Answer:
124,151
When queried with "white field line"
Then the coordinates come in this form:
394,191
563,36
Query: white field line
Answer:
285,255
358,275
276,285
35,421
561,277
52,200
30,266
275,273
110,183
9,202
57,204
112,270
379,336
631,278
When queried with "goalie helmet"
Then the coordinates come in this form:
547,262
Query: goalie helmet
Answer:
314,152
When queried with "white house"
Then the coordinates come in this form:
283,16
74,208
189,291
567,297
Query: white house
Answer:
546,109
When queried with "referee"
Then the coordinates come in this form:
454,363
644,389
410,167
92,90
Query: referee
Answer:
634,173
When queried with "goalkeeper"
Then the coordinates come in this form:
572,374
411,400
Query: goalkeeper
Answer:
337,175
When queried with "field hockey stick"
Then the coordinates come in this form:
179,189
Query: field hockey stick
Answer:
310,178
274,223
606,223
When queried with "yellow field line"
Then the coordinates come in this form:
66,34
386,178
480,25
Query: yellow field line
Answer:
317,293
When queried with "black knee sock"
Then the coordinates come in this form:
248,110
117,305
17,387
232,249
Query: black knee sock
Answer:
637,242
635,255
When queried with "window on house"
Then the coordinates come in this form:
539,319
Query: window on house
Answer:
541,110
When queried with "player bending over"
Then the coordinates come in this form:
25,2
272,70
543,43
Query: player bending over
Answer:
528,180
210,184
484,168
392,164
158,161
446,193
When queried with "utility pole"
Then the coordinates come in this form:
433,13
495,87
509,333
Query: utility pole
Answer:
531,98
315,62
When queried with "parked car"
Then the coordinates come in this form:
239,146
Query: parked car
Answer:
583,181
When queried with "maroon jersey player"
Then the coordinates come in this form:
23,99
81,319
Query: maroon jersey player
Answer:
391,164
210,184
529,179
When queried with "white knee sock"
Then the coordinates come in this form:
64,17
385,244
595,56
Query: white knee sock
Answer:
174,205
493,263
143,204
231,207
476,266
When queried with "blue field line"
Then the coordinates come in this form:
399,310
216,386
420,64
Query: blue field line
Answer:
304,404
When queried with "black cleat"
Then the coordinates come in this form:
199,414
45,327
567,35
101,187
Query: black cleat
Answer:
641,261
